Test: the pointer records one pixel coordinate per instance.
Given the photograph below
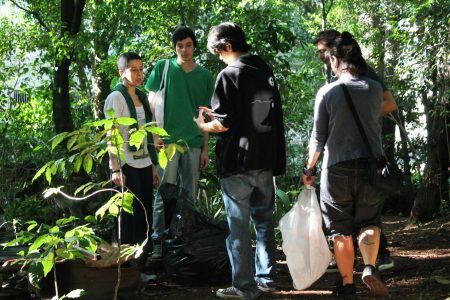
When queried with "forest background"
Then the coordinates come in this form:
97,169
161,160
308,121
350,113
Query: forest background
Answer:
58,64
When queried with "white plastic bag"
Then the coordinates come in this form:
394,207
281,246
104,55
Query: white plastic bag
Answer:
160,97
304,243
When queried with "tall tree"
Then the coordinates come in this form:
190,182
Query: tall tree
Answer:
71,16
59,47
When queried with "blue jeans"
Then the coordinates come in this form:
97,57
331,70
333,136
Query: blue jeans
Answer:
250,194
182,170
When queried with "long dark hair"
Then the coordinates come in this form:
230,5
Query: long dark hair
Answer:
346,49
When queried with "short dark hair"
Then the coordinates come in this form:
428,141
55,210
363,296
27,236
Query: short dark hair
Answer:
183,32
347,50
327,36
125,58
224,33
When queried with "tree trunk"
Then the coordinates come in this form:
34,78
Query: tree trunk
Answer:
434,186
100,82
71,15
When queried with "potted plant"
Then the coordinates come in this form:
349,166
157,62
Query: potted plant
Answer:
71,243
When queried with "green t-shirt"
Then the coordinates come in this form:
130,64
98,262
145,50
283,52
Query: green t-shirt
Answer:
185,92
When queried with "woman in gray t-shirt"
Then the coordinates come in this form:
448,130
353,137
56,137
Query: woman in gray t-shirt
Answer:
349,203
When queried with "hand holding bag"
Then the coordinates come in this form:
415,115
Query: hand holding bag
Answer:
304,243
159,97
382,175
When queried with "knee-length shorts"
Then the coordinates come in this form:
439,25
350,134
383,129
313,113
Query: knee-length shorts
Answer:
347,199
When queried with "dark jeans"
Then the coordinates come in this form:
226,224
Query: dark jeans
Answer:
134,227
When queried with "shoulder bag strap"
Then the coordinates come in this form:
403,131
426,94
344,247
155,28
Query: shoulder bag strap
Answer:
164,75
357,119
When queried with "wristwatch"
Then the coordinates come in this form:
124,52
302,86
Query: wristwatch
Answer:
310,172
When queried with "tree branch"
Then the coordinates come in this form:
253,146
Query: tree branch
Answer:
34,14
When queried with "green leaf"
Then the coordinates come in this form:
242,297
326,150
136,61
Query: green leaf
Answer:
77,164
48,175
64,221
282,195
162,159
35,273
58,139
156,130
48,262
90,219
170,151
42,170
71,142
127,203
110,113
102,210
136,138
54,229
79,189
39,242
32,224
179,148
87,163
64,253
114,210
127,121
99,123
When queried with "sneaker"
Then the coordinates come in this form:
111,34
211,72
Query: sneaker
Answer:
332,267
371,277
157,250
384,262
231,293
265,287
347,291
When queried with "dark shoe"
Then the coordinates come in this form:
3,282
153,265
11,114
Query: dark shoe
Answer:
332,267
265,287
232,293
157,250
347,291
384,262
371,277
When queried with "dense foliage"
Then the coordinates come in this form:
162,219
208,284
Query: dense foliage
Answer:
406,41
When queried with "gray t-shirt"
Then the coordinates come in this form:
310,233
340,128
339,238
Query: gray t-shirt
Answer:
335,129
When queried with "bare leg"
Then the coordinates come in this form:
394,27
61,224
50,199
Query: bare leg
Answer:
369,241
345,255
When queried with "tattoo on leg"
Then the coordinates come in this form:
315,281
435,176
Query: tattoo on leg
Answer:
367,242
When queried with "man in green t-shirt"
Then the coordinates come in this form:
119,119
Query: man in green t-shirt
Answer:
187,86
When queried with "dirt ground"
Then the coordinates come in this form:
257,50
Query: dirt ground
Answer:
422,270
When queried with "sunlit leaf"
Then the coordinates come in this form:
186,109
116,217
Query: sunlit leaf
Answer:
162,159
113,210
87,163
58,139
48,262
127,203
136,138
156,130
127,121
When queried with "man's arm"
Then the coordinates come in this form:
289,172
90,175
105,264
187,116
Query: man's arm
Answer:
388,104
